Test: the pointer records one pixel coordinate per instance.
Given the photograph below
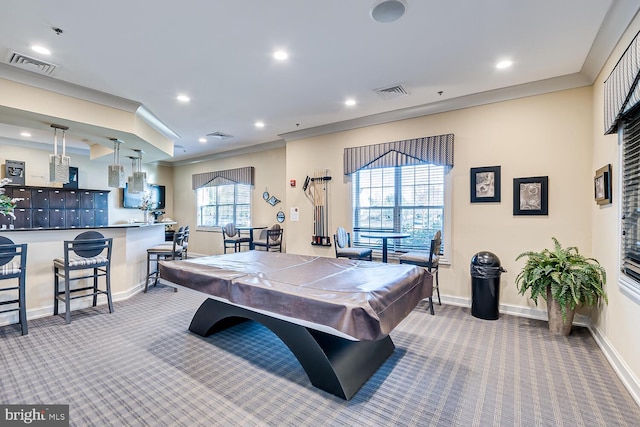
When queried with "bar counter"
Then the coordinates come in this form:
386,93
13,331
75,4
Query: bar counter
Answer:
128,263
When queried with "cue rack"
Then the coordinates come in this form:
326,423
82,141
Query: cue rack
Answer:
316,189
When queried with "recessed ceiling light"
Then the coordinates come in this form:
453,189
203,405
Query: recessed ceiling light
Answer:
259,124
280,55
504,64
183,98
25,134
202,140
41,49
349,102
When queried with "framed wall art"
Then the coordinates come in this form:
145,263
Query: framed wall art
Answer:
15,171
485,184
531,196
602,185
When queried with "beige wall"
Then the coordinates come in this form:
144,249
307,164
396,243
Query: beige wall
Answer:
617,323
539,136
269,175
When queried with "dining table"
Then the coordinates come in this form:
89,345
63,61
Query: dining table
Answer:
385,236
250,229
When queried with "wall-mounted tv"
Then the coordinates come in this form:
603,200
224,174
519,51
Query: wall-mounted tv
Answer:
133,200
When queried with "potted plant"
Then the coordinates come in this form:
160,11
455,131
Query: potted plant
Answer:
565,279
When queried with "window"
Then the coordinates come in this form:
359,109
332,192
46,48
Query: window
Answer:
221,204
630,204
406,199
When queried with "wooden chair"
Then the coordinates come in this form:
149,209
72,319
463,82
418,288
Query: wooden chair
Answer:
10,268
231,236
342,245
429,261
88,251
271,238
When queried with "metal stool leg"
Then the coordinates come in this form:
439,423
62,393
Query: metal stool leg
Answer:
108,279
67,296
21,303
56,289
146,281
95,287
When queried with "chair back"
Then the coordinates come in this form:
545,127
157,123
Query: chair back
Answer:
342,238
178,242
436,245
8,251
229,230
90,244
274,234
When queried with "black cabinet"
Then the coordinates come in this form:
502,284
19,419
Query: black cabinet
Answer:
71,200
57,218
40,198
40,218
23,218
86,200
45,207
21,193
57,199
72,218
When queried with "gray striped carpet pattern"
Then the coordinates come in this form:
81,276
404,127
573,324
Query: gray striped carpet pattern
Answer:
141,367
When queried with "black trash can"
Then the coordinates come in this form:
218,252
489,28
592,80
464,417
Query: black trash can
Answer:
485,285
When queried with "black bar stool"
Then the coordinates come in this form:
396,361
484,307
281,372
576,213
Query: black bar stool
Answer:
163,251
88,251
11,269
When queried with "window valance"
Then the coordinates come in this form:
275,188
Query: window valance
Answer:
230,176
621,91
436,150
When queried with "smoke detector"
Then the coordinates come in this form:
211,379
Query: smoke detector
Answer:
30,63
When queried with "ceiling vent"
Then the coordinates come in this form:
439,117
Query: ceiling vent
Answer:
220,135
391,92
25,62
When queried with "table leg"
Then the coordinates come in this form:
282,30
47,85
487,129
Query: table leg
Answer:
384,249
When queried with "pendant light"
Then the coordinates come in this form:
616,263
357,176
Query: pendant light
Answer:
117,177
59,164
138,179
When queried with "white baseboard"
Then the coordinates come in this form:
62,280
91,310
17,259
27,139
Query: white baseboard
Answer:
630,381
12,317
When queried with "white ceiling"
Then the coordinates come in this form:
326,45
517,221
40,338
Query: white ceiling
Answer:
220,54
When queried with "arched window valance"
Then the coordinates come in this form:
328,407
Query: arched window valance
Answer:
436,150
621,89
230,176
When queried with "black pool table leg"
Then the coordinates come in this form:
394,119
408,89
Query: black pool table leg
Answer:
334,364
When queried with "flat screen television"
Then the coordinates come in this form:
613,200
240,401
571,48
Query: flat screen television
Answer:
133,200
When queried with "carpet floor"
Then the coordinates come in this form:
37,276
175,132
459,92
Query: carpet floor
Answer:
141,367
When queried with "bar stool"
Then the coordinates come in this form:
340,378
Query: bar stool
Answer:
163,251
11,269
85,252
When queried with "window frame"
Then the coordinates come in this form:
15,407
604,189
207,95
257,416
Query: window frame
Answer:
629,285
447,211
236,195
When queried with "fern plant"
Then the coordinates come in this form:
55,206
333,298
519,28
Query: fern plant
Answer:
572,278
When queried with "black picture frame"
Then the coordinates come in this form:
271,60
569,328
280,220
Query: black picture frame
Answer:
531,196
602,185
485,184
15,170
